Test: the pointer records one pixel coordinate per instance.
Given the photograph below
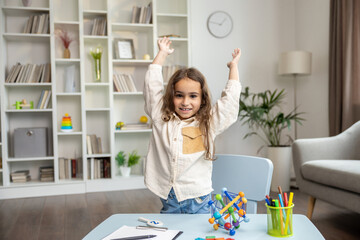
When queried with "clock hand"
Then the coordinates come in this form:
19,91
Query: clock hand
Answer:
215,23
222,21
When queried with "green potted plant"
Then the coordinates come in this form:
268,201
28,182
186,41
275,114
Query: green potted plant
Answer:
262,113
126,164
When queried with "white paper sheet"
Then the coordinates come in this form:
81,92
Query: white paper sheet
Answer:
126,231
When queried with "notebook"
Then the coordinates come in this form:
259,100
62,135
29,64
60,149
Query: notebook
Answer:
126,231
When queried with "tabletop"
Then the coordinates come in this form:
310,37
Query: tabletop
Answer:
197,225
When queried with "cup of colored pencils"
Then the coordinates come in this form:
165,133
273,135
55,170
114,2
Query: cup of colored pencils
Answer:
279,215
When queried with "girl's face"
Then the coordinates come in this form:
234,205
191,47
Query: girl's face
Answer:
187,98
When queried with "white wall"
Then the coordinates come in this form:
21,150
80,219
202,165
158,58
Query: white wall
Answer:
263,29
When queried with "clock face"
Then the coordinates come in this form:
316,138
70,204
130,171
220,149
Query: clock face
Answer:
220,24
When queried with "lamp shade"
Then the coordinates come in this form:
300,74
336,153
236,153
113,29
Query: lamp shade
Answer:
295,62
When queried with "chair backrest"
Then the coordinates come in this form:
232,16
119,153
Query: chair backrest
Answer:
248,174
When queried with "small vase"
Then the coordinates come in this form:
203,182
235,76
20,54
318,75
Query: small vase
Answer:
26,3
97,70
66,53
125,171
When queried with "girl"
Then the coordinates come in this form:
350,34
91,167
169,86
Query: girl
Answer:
178,167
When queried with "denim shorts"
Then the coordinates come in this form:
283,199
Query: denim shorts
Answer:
195,205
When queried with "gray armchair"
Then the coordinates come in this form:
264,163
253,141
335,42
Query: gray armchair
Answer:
329,169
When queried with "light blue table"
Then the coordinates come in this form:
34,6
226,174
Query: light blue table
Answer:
197,225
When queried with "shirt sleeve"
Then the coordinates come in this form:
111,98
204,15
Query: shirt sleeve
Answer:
153,91
226,109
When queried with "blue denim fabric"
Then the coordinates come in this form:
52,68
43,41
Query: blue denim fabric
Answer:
189,206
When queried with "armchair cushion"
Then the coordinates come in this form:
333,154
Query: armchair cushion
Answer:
343,174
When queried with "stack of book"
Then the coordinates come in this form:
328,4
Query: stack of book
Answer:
70,168
29,73
44,99
37,24
169,70
124,82
20,176
46,174
99,27
102,168
142,14
93,144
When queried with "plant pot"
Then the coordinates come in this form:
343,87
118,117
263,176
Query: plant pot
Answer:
125,171
281,158
66,53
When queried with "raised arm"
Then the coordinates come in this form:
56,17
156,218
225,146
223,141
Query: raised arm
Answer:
164,51
233,64
225,111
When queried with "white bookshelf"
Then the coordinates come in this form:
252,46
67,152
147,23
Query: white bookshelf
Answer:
94,107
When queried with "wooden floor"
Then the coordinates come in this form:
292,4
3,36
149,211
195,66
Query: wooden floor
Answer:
73,216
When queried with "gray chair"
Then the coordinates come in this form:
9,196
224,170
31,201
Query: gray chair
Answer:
329,169
238,173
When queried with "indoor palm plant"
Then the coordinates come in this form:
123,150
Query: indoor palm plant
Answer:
126,164
262,113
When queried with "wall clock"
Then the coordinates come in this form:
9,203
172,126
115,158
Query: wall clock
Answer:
220,24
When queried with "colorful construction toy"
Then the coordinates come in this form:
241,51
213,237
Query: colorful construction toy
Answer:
23,103
66,125
228,210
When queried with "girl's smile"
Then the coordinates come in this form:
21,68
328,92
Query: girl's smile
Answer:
187,98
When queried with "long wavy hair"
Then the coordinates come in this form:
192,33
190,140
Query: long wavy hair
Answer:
204,113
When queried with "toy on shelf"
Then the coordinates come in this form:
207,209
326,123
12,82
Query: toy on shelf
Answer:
23,103
228,210
66,124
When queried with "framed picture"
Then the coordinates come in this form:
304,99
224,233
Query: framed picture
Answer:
124,48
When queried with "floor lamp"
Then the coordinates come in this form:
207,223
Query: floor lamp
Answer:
295,63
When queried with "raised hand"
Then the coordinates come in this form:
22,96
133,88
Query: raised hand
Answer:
164,51
236,57
164,45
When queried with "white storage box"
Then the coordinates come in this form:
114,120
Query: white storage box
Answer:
30,142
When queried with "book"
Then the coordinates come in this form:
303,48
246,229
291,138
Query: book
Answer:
44,99
99,144
47,100
94,144
40,99
20,176
88,145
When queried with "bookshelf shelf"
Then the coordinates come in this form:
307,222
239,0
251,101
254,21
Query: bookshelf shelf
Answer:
67,60
94,107
14,85
67,22
28,110
128,93
68,94
133,131
131,27
95,12
69,133
26,36
21,10
178,15
30,159
131,62
95,37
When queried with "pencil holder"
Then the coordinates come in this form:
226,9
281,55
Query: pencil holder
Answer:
279,221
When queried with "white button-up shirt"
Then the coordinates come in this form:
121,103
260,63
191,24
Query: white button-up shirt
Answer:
174,159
